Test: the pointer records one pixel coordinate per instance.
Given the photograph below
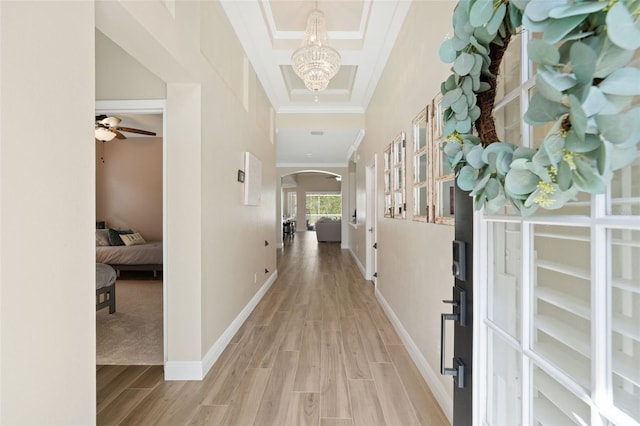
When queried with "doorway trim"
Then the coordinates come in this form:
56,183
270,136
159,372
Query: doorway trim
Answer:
150,106
371,228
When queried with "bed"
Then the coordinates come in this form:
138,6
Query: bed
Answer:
140,256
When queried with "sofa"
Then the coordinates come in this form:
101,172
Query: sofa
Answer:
329,230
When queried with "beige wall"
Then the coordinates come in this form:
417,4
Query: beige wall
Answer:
216,110
129,185
47,248
414,260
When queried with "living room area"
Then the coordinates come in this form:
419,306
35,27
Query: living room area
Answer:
312,202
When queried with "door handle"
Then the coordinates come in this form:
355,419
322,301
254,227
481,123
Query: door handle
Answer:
457,371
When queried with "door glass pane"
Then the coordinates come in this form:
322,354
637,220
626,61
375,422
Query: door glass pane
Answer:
399,203
562,298
509,75
443,165
553,404
420,131
625,320
625,190
503,383
504,276
398,183
421,168
420,202
446,191
507,121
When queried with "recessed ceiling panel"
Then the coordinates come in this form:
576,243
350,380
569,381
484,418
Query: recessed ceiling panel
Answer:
291,15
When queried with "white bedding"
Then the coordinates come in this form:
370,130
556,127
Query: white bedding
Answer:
142,254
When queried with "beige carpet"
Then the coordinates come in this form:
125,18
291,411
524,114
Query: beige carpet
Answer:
133,334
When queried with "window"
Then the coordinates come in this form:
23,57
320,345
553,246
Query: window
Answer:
321,204
292,204
559,340
394,178
443,176
422,166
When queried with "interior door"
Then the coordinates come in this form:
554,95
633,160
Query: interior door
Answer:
371,221
461,314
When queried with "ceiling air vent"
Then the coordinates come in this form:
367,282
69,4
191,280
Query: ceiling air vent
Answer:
317,133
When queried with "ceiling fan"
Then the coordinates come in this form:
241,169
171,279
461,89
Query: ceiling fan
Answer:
107,128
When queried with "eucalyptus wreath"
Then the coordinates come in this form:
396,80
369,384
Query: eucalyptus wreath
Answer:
586,93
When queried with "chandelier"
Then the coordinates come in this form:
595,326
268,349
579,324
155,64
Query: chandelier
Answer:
315,62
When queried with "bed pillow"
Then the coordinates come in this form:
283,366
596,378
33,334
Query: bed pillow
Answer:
114,236
132,239
102,237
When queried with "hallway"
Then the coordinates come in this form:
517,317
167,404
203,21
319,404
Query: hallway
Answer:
317,350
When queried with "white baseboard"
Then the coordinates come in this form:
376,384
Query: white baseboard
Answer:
183,370
429,375
196,370
355,258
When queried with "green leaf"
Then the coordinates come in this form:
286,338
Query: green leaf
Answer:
595,103
451,97
559,28
539,171
474,157
554,146
447,52
563,177
558,81
503,163
573,143
577,9
480,13
621,156
610,58
484,86
474,113
496,19
520,182
624,81
460,105
494,149
449,127
621,28
464,126
466,178
515,17
535,26
450,83
464,63
539,10
583,59
546,89
542,53
542,111
577,117
456,159
451,148
620,128
586,178
459,43
522,152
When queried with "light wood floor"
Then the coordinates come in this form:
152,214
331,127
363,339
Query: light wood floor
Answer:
317,350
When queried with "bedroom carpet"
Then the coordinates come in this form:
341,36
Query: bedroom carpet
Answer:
133,334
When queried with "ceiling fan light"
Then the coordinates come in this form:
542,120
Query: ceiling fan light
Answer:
103,134
110,121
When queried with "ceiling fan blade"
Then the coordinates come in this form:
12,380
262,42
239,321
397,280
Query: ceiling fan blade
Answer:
118,134
100,117
141,132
